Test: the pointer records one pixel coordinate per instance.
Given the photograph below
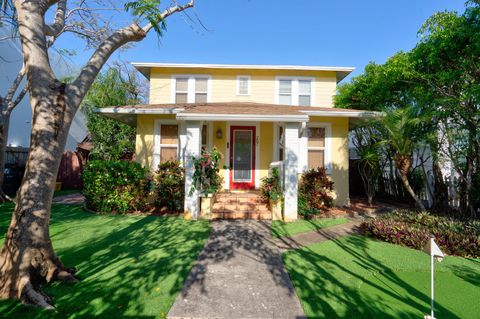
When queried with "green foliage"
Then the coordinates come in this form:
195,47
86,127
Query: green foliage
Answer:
115,186
150,10
314,192
111,139
413,229
206,178
402,129
271,187
170,186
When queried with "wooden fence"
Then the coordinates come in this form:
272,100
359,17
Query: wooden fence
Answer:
70,171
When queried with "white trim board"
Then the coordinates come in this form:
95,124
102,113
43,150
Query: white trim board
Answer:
242,66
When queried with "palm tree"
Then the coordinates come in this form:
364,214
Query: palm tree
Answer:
401,130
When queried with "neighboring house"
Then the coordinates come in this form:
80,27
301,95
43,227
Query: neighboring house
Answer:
256,115
21,118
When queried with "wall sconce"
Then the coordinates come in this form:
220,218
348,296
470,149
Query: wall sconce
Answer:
219,133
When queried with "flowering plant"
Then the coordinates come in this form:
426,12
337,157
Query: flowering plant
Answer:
206,178
271,187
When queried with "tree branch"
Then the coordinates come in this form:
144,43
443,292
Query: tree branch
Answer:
14,87
59,21
168,12
133,33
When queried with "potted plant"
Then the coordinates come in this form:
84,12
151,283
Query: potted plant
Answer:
206,179
271,189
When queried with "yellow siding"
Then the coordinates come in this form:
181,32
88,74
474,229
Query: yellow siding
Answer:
224,85
266,148
221,145
144,138
339,157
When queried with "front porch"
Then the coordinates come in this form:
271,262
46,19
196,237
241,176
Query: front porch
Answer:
252,137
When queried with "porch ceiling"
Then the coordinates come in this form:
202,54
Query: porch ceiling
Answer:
236,111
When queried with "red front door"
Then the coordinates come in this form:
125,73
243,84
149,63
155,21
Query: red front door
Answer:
242,157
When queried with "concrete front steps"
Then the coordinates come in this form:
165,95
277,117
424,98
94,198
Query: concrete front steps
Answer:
230,205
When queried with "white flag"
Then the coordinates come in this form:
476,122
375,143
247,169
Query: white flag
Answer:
432,249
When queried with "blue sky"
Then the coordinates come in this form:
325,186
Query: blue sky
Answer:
302,32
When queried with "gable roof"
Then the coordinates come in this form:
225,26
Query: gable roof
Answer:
144,67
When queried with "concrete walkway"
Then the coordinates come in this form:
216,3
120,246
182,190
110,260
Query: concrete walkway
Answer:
312,237
239,274
70,199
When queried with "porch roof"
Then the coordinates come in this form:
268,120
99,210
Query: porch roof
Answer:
231,111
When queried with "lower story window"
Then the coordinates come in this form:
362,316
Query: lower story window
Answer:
316,147
168,142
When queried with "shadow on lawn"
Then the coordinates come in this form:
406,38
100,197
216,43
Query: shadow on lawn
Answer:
310,271
133,270
251,239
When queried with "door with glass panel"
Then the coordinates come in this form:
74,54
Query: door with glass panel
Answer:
242,157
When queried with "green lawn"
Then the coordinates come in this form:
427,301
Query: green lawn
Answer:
130,266
282,229
357,277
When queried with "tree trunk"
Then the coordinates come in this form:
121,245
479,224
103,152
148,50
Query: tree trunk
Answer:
27,258
403,164
4,126
440,191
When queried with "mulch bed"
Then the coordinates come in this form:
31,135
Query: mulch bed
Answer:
359,207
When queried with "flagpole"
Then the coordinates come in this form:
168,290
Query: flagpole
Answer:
431,286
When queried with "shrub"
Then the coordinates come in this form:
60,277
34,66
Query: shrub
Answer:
271,188
206,178
314,192
413,229
115,186
170,186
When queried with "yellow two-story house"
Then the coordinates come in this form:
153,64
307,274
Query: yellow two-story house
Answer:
258,116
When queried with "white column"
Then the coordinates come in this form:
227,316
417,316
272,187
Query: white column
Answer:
192,148
292,143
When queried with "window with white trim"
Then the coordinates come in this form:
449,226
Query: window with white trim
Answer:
191,89
243,85
285,92
181,90
295,91
304,92
316,147
201,90
168,142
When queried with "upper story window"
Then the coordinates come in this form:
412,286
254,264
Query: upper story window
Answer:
243,85
191,89
294,91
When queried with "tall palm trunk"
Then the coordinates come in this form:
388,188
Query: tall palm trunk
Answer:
403,164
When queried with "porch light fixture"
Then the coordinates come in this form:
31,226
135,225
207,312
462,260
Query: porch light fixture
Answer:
219,133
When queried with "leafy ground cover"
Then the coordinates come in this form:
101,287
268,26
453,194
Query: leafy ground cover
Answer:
130,266
283,229
358,277
413,229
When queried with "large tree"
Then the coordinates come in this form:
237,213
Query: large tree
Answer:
27,257
112,140
447,66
